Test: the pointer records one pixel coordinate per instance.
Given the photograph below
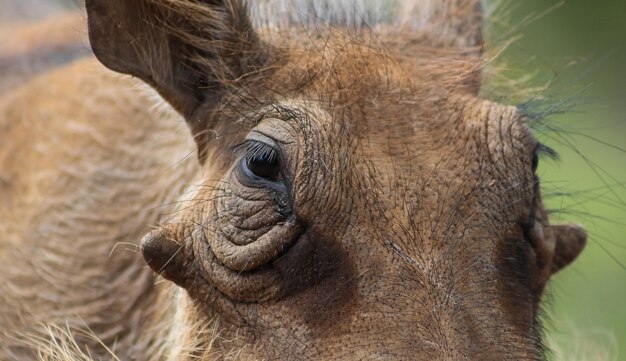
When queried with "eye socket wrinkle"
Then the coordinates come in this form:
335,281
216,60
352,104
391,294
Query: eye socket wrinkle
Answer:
288,113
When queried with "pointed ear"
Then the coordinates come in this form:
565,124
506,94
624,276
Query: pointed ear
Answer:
555,246
188,50
570,241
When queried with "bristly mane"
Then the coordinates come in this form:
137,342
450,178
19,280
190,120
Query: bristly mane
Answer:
348,13
435,16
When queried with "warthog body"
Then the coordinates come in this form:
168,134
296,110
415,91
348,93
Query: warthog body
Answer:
32,47
345,193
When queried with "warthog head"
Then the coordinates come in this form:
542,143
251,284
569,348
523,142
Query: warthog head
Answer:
357,198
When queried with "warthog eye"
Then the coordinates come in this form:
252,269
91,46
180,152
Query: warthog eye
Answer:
264,166
260,160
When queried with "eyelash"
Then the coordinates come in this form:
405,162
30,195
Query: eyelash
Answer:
252,149
542,150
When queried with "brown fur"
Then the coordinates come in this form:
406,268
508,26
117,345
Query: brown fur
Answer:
410,227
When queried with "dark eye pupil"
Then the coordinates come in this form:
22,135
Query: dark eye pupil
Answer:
264,166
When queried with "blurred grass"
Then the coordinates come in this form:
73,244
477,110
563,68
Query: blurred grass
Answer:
579,50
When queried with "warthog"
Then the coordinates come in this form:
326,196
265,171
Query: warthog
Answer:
352,196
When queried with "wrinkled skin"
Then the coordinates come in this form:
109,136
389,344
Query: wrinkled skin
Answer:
399,217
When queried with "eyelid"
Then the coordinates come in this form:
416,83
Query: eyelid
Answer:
262,138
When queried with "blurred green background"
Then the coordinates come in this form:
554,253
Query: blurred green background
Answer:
571,56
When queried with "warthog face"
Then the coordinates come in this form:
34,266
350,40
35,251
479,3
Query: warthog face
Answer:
357,198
